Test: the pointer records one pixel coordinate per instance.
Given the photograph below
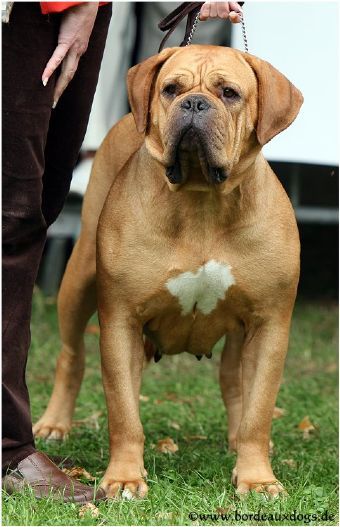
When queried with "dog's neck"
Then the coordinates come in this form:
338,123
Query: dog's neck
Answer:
230,204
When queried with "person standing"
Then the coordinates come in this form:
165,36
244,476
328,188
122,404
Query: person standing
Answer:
51,55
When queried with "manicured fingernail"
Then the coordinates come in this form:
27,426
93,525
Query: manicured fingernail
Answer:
54,104
45,81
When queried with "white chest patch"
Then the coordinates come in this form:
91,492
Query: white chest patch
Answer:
203,288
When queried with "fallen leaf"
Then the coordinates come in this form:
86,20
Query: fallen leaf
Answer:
167,446
91,420
306,426
175,425
289,462
331,367
89,508
78,473
173,397
164,515
278,412
143,398
221,510
92,329
195,438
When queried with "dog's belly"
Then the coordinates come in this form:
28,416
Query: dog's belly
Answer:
196,310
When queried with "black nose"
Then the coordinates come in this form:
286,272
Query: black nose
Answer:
195,103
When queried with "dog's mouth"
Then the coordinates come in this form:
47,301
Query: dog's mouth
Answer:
190,154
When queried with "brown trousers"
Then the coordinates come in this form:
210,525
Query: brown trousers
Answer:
39,151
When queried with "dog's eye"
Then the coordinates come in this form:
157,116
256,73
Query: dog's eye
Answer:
229,93
170,89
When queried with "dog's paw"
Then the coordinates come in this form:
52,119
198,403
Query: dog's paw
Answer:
51,431
272,489
128,490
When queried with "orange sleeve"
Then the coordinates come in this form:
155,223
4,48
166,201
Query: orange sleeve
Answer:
57,7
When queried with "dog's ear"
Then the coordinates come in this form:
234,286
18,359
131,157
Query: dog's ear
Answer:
278,99
139,83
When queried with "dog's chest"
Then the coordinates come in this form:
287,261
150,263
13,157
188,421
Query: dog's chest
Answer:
202,289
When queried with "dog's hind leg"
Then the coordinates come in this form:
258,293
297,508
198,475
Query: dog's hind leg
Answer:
231,383
76,304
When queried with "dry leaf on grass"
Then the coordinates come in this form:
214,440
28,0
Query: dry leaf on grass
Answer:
92,329
164,515
306,426
91,421
331,367
278,412
175,398
143,398
290,462
222,510
89,508
78,473
195,438
175,425
167,446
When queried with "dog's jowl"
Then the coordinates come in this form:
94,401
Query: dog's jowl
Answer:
196,239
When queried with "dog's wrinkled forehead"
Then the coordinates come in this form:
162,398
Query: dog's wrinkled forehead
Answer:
201,67
271,97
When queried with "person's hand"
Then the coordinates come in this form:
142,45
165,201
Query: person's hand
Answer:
74,34
225,10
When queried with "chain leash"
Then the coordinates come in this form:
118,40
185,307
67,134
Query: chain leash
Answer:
193,29
195,24
244,34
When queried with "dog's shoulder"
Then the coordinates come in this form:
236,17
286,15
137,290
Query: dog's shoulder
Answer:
123,140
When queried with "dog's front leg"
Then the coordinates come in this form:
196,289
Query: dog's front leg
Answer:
263,357
231,383
122,355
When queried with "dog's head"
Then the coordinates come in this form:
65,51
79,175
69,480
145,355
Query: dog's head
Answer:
206,111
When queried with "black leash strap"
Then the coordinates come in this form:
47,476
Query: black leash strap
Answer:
171,21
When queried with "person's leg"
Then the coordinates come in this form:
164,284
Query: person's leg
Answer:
28,42
34,191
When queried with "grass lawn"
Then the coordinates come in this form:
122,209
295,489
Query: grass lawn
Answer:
182,401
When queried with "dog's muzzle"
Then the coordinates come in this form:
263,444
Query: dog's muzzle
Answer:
194,115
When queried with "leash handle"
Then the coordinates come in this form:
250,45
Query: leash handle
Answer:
192,11
171,21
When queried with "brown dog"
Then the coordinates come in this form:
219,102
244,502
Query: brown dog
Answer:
196,239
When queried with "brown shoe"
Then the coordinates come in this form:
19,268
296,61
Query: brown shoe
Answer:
47,480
